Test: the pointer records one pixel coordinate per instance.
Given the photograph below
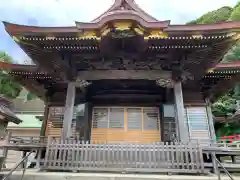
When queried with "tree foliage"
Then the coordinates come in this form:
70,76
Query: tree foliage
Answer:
215,16
235,15
8,86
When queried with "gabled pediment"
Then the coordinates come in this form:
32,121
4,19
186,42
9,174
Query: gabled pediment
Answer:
126,5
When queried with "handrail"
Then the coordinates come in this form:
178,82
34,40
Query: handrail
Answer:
25,167
225,170
17,165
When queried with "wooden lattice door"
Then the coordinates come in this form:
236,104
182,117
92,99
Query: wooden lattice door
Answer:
128,124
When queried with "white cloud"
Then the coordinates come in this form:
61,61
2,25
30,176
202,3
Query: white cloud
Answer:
181,11
63,12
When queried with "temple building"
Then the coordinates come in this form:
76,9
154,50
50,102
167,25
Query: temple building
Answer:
126,76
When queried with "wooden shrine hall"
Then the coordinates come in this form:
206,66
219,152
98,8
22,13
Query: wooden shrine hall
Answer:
127,77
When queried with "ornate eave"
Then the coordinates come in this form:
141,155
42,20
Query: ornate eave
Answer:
123,38
215,83
6,113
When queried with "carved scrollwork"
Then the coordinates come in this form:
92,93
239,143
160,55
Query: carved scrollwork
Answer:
82,83
166,83
123,34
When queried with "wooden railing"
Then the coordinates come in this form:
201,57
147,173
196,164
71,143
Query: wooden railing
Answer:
74,155
24,143
53,153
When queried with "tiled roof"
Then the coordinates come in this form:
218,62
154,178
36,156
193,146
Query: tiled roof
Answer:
28,121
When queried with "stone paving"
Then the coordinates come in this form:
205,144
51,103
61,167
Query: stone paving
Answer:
34,175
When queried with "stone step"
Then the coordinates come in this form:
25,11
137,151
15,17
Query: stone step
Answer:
35,175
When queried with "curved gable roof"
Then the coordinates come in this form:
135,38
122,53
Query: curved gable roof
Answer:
126,5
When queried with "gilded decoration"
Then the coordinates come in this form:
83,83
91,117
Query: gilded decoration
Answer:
197,36
89,35
122,26
105,30
123,34
165,83
119,30
156,34
20,39
139,30
16,39
122,30
211,70
50,37
235,36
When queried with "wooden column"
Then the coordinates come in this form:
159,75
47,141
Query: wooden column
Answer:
45,119
210,120
87,124
180,113
212,134
68,111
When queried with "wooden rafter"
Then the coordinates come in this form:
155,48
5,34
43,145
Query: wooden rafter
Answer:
223,86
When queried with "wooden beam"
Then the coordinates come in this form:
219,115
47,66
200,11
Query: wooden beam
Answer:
124,74
31,86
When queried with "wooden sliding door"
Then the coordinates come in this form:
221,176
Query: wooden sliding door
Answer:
126,124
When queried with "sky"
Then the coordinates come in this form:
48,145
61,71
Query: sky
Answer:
66,12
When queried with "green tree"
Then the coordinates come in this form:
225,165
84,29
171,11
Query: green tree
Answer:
235,15
8,86
233,54
215,16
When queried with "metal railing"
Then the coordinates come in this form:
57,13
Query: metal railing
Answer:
24,160
224,169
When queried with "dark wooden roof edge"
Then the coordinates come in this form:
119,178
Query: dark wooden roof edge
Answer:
132,4
11,118
34,68
120,15
6,110
16,29
229,65
18,67
228,25
13,29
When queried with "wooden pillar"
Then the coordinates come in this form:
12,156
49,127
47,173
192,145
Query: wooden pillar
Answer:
90,119
45,119
180,113
210,120
212,134
68,111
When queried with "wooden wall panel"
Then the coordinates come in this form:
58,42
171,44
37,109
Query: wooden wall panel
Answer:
55,122
101,135
190,97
